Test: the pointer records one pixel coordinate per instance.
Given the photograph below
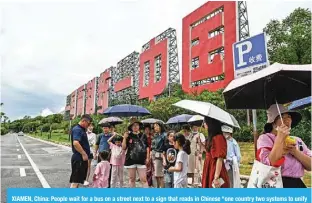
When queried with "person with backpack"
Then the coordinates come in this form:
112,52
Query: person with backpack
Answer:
101,143
135,142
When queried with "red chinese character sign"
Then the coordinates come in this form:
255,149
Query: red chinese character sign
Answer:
158,65
104,85
91,89
208,35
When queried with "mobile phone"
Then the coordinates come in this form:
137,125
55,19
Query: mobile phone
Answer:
221,183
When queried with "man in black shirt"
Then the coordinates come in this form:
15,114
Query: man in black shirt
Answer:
81,152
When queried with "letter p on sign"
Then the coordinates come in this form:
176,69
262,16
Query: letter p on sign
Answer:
243,48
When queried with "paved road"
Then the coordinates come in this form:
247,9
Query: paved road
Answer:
29,163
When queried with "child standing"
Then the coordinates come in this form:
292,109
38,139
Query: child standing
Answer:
181,165
117,161
169,159
101,173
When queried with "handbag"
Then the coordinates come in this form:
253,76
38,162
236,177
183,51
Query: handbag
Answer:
264,176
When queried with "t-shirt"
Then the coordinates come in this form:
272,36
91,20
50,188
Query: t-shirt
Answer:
169,149
91,139
79,134
132,141
102,142
158,142
117,155
180,177
101,175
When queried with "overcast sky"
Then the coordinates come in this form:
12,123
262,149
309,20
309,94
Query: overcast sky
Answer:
50,49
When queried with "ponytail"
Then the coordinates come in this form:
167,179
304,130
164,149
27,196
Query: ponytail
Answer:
187,147
186,144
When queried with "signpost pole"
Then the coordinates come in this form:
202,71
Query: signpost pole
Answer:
250,56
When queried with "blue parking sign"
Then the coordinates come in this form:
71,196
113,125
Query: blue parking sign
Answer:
250,55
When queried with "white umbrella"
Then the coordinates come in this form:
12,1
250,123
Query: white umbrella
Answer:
151,121
209,110
196,118
111,120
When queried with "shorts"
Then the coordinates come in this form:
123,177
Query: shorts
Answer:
79,171
135,166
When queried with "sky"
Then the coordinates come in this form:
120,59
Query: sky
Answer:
48,49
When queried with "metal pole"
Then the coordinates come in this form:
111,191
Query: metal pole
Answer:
69,130
248,118
255,134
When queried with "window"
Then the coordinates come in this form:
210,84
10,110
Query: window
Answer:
157,68
219,30
195,42
146,73
210,15
208,80
195,62
212,54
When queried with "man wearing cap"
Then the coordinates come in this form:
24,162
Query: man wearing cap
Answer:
102,144
81,152
233,157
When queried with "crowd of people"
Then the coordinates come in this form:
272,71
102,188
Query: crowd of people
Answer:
169,159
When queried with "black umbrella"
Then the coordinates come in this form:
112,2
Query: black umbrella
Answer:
126,110
277,83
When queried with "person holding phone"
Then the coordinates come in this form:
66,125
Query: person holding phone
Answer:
214,171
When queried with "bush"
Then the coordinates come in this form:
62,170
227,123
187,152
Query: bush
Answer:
244,134
4,130
45,127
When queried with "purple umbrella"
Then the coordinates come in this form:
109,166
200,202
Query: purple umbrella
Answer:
126,110
180,119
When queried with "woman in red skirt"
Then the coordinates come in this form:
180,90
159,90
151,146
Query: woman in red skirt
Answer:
214,171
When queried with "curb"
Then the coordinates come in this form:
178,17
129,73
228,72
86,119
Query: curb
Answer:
69,149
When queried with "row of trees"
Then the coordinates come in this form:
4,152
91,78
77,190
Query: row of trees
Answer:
289,42
163,109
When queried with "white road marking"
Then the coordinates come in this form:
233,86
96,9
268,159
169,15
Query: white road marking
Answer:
22,172
41,178
17,150
19,156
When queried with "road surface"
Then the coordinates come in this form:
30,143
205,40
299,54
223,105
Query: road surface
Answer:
30,163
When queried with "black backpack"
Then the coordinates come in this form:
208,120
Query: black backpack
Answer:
139,150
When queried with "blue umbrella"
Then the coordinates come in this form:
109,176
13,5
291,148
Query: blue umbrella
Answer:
126,110
300,104
180,119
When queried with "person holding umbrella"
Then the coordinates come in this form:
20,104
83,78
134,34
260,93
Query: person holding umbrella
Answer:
137,154
158,144
276,148
214,171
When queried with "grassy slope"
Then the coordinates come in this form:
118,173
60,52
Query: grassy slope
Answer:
247,151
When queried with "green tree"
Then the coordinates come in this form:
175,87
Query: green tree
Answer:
289,40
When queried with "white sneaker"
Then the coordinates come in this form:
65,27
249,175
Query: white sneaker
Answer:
86,183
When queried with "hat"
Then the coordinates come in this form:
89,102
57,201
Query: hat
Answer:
272,114
133,121
107,125
226,129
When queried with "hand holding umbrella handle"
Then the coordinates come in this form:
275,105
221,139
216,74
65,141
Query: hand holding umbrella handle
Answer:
279,112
